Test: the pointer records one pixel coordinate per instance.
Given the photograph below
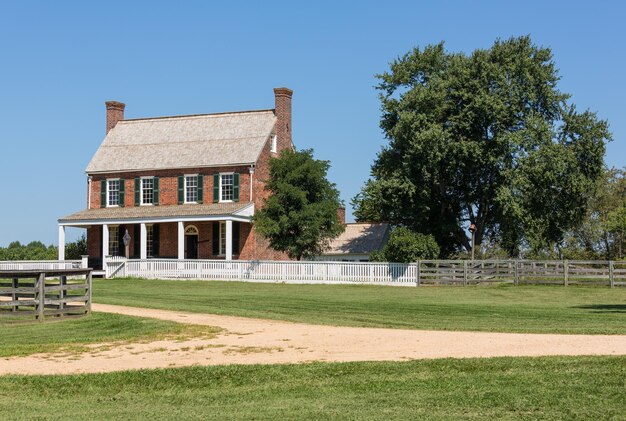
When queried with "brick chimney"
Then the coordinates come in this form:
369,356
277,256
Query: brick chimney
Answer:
115,113
282,97
341,215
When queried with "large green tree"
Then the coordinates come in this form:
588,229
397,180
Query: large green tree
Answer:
602,234
300,215
485,138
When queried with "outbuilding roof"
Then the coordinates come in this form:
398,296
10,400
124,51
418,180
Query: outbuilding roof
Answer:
360,238
193,141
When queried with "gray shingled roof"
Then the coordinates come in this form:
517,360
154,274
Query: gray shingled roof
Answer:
184,142
360,239
147,212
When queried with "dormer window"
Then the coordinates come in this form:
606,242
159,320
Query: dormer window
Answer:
274,146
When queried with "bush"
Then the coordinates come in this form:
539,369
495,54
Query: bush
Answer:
406,246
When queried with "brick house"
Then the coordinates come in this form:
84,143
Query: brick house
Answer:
183,187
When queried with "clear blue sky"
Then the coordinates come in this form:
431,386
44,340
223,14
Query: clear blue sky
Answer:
61,60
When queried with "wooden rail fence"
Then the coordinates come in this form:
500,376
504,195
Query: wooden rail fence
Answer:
423,272
32,294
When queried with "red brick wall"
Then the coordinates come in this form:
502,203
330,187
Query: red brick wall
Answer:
168,184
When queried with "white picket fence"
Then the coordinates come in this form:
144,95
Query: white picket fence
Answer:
41,264
423,272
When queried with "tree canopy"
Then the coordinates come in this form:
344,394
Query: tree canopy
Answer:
485,138
300,215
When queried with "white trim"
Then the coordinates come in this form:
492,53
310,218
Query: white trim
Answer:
106,194
141,190
220,187
181,240
185,188
274,143
192,230
143,241
61,242
229,239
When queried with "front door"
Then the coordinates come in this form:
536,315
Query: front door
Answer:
191,249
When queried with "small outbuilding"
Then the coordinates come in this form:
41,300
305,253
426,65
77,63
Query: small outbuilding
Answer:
357,242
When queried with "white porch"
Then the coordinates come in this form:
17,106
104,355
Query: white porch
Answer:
175,239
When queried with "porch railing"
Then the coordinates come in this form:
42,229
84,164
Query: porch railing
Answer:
40,264
423,272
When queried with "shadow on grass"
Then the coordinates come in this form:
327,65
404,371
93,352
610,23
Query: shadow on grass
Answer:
604,308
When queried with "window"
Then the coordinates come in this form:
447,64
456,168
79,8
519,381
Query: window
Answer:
191,189
226,187
147,191
274,146
114,241
113,192
150,240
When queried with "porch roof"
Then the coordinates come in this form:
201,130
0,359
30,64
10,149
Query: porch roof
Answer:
138,213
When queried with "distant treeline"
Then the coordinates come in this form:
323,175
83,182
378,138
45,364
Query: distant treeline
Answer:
36,250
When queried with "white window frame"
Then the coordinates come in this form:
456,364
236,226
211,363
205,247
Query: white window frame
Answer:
141,191
274,144
222,200
114,240
185,186
108,197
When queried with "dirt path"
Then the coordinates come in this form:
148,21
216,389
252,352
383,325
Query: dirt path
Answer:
255,341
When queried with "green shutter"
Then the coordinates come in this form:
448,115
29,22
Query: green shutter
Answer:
216,188
155,192
137,187
236,187
122,192
103,194
236,233
216,238
200,188
181,190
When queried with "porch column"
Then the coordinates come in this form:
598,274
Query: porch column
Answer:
143,240
229,239
105,244
61,242
181,240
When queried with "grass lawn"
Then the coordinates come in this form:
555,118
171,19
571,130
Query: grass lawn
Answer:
539,309
500,388
72,335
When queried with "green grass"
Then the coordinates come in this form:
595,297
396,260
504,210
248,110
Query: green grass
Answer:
539,309
73,335
551,388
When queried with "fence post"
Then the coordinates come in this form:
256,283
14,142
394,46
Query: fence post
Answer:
464,272
89,293
41,293
565,272
417,274
84,261
611,273
515,273
14,297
